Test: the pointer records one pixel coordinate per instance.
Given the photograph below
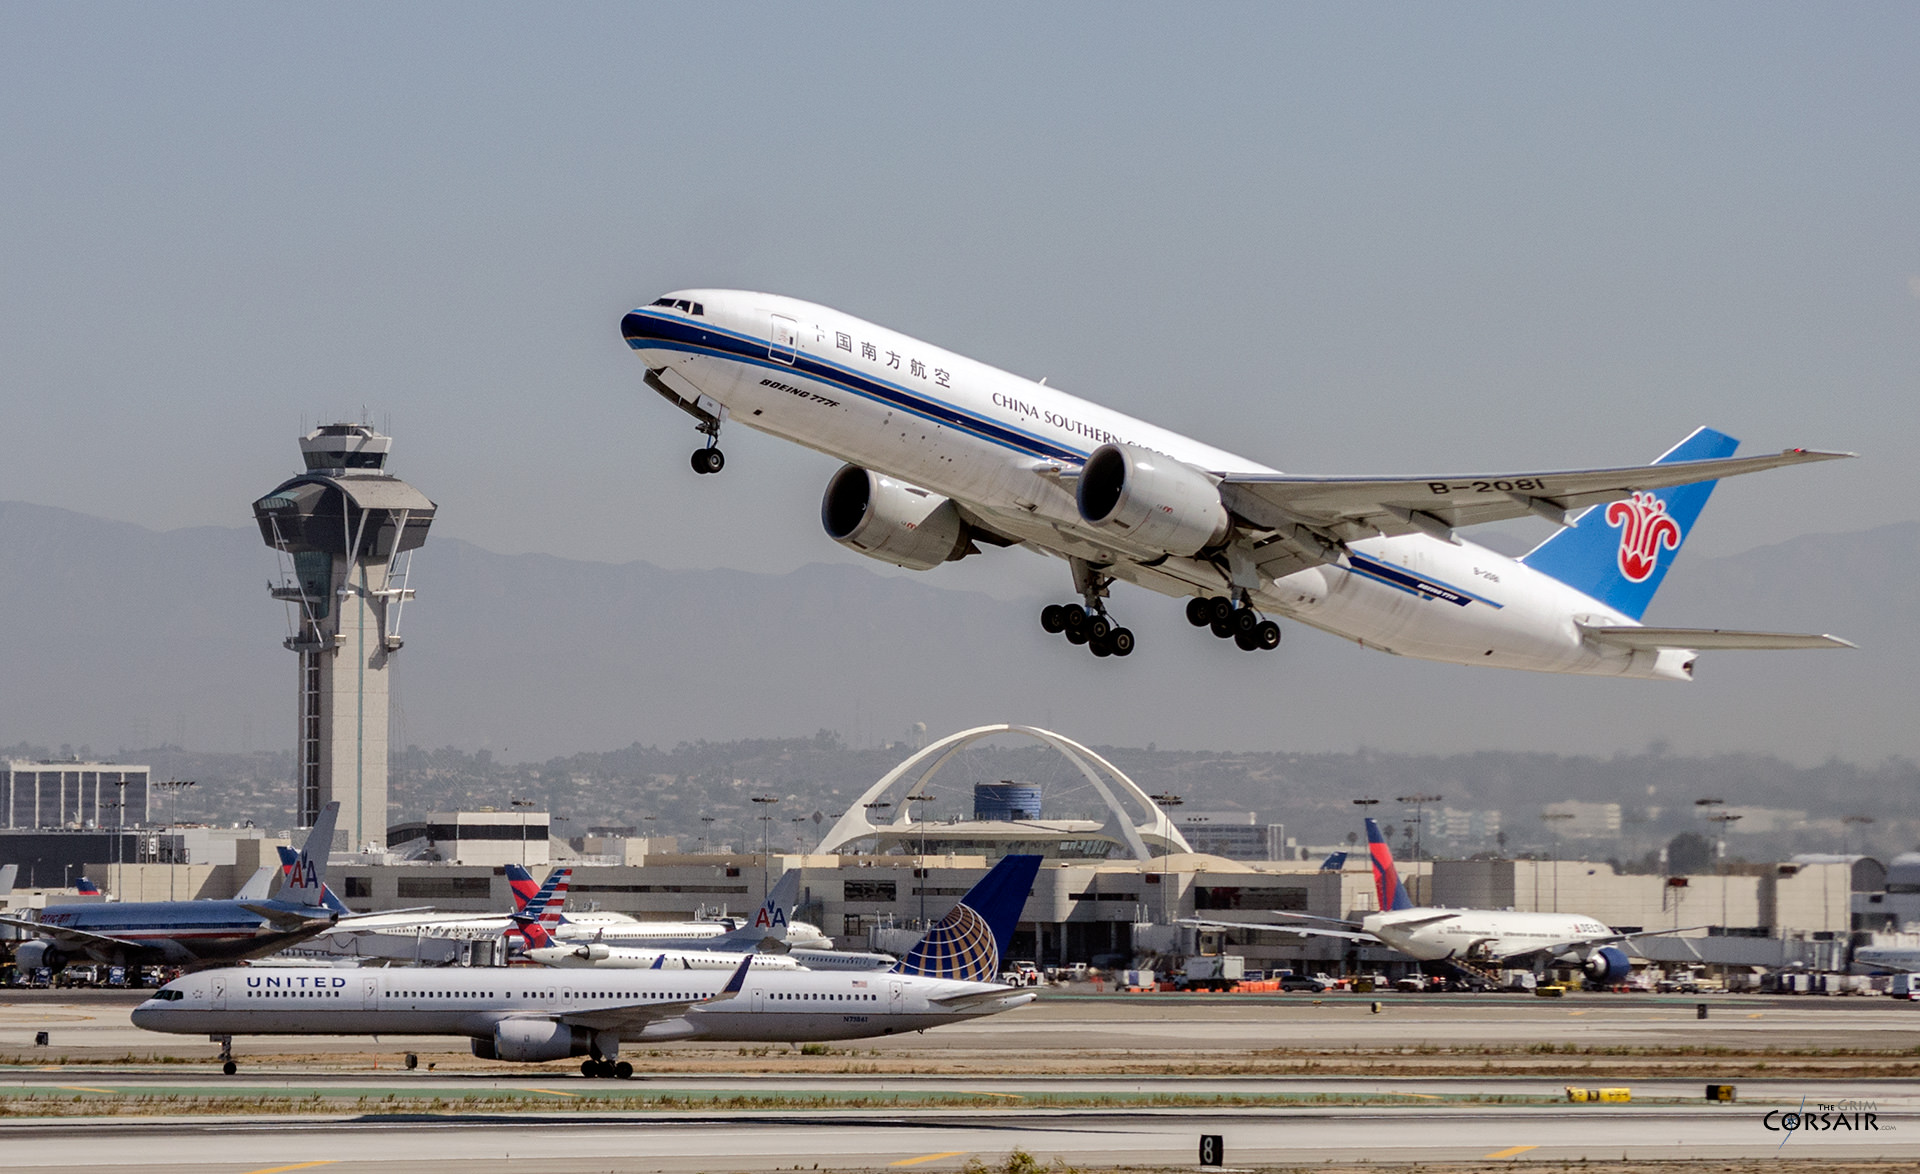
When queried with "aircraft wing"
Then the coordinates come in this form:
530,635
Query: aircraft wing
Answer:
1704,639
1555,949
286,917
1347,509
78,938
634,1015
1311,931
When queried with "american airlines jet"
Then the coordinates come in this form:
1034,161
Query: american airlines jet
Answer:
945,456
533,1014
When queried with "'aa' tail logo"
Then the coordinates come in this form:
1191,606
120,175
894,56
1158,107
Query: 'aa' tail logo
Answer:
1644,529
770,919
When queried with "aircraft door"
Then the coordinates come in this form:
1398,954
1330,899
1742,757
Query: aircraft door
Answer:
783,341
370,994
895,998
759,999
218,1000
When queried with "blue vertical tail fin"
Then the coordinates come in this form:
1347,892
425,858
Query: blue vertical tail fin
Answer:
969,942
1386,877
1619,552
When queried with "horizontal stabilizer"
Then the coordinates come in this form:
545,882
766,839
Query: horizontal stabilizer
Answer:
1704,639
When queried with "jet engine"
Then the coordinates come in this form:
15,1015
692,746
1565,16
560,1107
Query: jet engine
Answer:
1607,965
534,1039
591,952
892,521
31,956
1152,499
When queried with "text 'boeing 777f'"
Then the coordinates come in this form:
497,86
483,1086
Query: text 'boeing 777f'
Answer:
945,455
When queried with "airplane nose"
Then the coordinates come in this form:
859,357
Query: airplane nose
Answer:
636,327
143,1015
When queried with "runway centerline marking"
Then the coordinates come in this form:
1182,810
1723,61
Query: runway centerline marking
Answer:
926,1158
1510,1151
295,1166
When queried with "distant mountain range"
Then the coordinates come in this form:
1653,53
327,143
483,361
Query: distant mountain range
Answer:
116,635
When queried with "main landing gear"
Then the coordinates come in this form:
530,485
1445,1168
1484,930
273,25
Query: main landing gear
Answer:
1088,624
606,1069
1236,622
1091,628
226,1054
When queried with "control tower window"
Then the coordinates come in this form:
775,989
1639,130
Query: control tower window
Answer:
346,460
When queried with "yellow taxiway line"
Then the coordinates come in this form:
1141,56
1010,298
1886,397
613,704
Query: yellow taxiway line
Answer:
1512,1151
926,1158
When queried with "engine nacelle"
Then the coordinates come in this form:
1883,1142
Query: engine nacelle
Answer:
593,952
534,1039
1608,965
892,521
30,956
1152,499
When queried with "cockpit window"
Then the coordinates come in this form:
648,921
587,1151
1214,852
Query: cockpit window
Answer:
682,304
169,996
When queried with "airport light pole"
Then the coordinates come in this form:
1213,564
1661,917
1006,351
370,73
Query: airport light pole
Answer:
922,798
706,834
173,787
766,805
1723,818
1553,820
1164,801
521,805
1419,802
1846,834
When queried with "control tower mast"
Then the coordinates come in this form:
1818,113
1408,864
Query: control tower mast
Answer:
346,530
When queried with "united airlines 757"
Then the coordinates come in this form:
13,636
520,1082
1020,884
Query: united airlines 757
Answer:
945,455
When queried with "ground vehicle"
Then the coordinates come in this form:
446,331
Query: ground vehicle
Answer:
1213,972
1316,983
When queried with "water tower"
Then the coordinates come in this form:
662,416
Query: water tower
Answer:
346,530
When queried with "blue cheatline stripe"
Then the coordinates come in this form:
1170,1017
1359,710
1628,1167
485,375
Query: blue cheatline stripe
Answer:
1392,576
752,351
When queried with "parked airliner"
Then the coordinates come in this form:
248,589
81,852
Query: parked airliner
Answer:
945,455
190,933
528,1014
1471,939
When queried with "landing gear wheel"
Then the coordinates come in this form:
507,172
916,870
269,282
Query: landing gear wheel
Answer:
1121,641
229,1068
1053,619
1100,647
1221,628
1219,608
1245,620
1199,612
623,1071
1098,627
1077,635
589,1068
1267,635
1247,641
1073,616
708,460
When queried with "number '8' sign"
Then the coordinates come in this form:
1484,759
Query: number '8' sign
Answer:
1212,1153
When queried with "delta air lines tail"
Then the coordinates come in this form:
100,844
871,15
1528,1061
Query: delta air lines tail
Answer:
1386,878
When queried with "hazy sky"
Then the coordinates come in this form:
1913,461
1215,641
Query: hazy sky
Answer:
1337,238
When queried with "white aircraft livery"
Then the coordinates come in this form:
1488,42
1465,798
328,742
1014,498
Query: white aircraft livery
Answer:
1471,940
523,1013
945,455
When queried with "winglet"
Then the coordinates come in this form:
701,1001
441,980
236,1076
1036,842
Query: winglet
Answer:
734,983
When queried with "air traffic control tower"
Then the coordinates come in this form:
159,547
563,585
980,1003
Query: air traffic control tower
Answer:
345,530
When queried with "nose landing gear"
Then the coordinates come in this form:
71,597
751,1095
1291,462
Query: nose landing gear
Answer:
1238,623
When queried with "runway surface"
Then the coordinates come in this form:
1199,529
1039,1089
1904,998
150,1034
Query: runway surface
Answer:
1091,1082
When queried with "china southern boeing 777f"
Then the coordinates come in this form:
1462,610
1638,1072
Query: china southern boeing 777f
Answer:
945,455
